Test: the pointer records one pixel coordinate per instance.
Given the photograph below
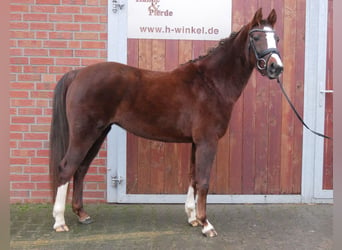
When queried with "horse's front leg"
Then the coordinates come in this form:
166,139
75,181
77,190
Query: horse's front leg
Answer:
205,154
190,204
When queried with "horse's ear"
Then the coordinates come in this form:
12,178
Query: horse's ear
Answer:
272,18
257,18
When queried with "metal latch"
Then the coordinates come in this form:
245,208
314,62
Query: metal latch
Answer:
117,180
326,91
323,92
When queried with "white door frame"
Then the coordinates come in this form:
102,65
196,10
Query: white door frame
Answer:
314,101
312,156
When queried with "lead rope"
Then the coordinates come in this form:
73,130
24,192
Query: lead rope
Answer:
296,112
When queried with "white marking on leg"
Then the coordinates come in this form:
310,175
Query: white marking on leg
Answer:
209,230
190,206
59,208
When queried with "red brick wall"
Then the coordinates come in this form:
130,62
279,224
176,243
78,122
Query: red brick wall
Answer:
49,38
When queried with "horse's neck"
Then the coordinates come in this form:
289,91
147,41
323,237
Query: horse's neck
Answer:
228,67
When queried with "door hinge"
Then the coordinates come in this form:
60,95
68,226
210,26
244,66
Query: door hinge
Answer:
116,180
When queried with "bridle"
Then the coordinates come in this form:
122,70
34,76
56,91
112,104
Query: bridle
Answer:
262,58
262,62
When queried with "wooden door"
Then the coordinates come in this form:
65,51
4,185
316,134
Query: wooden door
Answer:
262,150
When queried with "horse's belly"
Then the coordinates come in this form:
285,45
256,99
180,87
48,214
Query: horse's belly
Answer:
165,128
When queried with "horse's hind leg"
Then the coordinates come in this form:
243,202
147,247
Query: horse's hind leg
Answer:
77,199
76,154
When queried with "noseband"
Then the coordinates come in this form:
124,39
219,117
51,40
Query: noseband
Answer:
262,63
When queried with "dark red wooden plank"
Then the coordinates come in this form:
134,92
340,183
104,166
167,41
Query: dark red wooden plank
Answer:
328,144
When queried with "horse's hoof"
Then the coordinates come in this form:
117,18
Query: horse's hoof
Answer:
86,220
194,223
62,228
211,233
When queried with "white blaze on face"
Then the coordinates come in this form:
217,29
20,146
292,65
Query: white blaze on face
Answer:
272,44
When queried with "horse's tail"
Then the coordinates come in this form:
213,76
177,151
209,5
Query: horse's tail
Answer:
59,131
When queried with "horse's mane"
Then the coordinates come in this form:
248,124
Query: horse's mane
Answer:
210,51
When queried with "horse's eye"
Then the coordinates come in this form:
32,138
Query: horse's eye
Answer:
256,38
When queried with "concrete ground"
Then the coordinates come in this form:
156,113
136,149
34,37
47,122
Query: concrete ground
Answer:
249,227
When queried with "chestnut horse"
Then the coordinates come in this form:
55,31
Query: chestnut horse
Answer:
191,104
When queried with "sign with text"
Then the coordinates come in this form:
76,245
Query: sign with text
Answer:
179,19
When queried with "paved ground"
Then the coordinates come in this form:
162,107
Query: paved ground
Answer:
249,227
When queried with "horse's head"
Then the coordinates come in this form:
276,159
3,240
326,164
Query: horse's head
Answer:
263,44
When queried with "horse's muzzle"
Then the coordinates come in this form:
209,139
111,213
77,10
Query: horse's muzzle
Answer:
274,66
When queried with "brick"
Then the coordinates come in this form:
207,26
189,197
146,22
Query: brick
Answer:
18,25
93,27
94,10
55,44
22,1
22,119
18,94
86,53
36,169
15,178
61,52
30,43
23,153
96,178
21,34
30,144
22,85
29,111
43,153
68,9
16,68
42,94
86,36
36,136
60,18
35,69
86,18
40,161
68,61
42,26
36,52
19,8
74,44
48,2
35,17
29,77
18,60
59,69
68,26
87,61
15,17
93,45
16,136
43,9
73,2
61,35
22,185
40,128
22,102
43,186
19,161
44,86
41,177
42,61
16,52
42,35
48,78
